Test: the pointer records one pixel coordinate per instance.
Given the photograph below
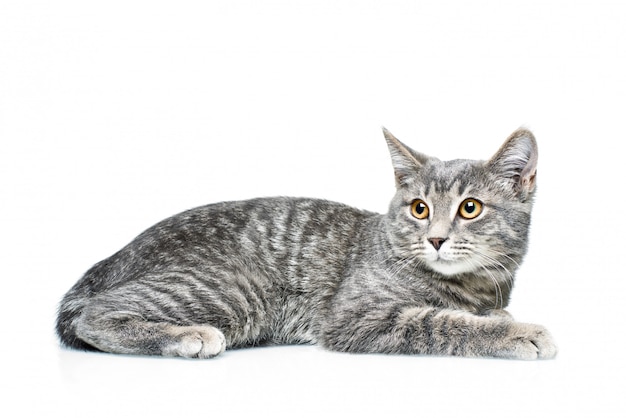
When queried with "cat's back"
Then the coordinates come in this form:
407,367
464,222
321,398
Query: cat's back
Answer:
281,235
264,223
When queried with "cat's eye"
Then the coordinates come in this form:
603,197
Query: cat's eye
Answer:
419,209
470,208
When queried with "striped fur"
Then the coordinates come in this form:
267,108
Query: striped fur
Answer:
294,270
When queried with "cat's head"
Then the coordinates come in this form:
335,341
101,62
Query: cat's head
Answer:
463,216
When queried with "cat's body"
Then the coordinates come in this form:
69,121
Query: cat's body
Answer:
429,277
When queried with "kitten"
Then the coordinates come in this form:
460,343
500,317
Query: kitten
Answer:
432,276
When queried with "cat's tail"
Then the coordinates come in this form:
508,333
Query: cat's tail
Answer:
69,312
77,299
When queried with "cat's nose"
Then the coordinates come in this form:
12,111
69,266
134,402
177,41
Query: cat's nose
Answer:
437,242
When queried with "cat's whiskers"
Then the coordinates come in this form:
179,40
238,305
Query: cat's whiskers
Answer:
478,258
494,262
476,264
399,264
380,258
413,252
501,254
499,295
402,263
486,261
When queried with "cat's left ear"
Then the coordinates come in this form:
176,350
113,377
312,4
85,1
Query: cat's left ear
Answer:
406,162
516,162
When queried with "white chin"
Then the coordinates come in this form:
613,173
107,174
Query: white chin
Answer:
449,268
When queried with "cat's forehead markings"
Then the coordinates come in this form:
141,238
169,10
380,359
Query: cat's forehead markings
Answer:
444,193
447,188
447,177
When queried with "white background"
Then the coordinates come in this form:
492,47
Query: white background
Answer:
116,114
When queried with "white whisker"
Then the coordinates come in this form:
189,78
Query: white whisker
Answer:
486,261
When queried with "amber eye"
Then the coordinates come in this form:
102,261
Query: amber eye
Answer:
419,209
470,208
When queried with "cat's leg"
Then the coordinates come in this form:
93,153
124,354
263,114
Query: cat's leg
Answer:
178,314
128,333
499,313
427,330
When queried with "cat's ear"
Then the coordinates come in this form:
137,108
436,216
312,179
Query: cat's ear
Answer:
406,162
516,162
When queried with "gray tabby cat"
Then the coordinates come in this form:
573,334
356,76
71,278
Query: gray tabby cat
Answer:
431,276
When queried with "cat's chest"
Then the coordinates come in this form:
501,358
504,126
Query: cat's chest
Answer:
474,294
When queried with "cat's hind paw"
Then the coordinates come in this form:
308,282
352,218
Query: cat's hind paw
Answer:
198,341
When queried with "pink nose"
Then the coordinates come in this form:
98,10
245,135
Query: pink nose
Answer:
437,242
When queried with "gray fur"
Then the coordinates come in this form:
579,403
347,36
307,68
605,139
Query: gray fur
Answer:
294,270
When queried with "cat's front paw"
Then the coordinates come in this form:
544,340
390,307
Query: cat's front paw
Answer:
526,342
499,313
199,341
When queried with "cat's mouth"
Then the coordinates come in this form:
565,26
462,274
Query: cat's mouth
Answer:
449,268
449,260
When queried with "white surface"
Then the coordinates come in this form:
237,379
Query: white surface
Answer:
114,115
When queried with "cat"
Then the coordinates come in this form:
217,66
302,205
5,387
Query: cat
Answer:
432,276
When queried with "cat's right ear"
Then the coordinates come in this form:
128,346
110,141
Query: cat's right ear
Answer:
406,162
516,163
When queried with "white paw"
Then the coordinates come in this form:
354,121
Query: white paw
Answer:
527,342
199,341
